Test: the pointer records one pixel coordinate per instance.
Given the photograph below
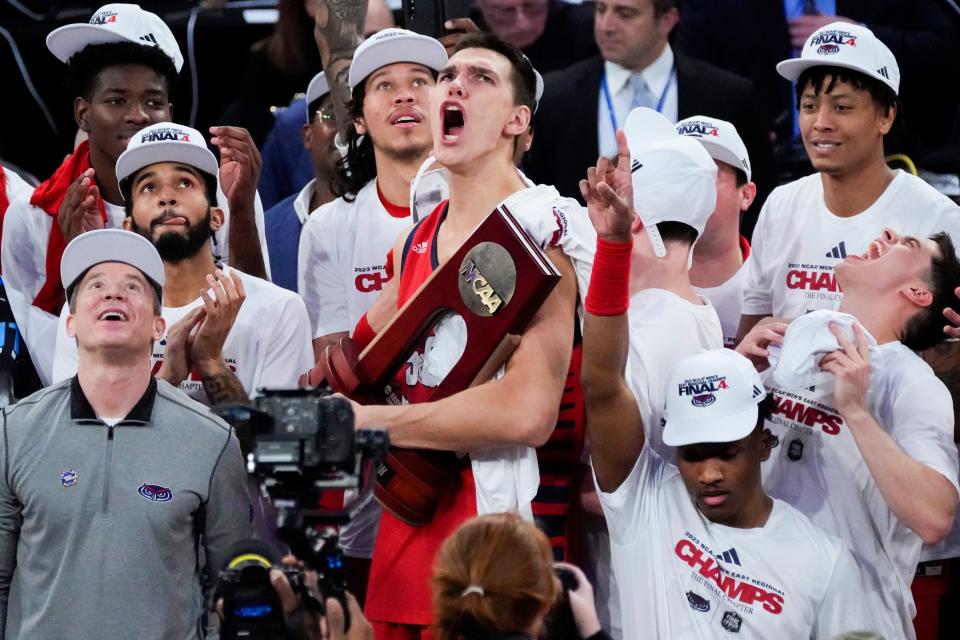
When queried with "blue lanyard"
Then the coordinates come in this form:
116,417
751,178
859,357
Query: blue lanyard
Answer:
609,100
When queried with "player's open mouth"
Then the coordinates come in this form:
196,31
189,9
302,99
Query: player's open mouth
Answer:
406,119
113,315
453,121
874,250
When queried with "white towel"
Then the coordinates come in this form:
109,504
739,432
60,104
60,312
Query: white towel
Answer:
796,365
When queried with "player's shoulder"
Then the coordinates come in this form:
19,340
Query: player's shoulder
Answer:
783,199
923,197
263,293
794,530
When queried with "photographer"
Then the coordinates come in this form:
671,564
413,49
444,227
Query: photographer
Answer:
495,577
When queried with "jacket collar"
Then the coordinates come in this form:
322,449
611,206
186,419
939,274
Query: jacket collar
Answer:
140,414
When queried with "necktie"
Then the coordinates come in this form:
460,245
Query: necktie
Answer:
641,92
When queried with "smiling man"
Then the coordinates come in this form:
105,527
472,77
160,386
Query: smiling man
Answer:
847,82
229,333
113,480
864,427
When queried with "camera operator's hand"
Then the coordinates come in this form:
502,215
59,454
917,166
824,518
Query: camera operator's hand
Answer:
581,603
333,624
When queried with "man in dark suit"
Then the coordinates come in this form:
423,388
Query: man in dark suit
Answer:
583,104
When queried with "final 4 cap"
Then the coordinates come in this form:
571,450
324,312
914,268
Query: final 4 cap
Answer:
116,23
110,245
674,178
851,46
712,397
719,138
166,142
391,46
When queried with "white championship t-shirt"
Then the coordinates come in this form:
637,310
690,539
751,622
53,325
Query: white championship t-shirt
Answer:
268,346
664,329
26,234
817,467
342,259
798,242
727,300
683,576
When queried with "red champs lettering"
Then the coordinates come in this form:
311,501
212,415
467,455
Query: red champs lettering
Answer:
707,566
797,411
373,281
812,280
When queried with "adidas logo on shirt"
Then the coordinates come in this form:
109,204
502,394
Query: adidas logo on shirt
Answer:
730,556
839,251
420,247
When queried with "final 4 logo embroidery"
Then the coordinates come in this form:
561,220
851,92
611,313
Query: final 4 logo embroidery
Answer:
155,492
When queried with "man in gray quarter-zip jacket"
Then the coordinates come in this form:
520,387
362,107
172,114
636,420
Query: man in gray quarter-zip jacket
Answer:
112,480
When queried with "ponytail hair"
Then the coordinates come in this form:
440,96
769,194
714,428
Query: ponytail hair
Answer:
494,575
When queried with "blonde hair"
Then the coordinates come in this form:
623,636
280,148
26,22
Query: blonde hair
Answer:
493,575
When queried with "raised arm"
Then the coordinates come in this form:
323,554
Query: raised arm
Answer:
614,425
338,32
919,496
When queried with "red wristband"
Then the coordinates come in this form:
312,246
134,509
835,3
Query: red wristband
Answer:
363,334
609,290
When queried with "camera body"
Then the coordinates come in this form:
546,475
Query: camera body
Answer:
428,16
298,443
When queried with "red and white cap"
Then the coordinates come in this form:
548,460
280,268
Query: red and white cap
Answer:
851,46
166,142
719,138
391,46
674,178
118,22
712,397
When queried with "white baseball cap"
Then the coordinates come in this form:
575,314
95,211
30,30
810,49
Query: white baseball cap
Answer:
719,138
851,46
110,245
317,88
712,397
166,142
391,46
116,23
674,178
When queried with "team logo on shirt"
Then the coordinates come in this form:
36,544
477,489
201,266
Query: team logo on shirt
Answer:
702,390
698,129
698,603
68,478
155,492
830,41
731,622
104,17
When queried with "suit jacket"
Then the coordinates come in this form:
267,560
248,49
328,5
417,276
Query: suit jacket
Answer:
565,125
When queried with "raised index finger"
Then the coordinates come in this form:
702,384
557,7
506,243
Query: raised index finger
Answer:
623,151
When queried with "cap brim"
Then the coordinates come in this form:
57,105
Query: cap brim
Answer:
791,69
110,245
427,52
721,153
726,429
132,160
72,38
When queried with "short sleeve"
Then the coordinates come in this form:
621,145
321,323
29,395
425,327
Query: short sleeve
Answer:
287,351
319,280
842,607
634,501
921,423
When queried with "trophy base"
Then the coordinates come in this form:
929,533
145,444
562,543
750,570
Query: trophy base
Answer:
411,482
